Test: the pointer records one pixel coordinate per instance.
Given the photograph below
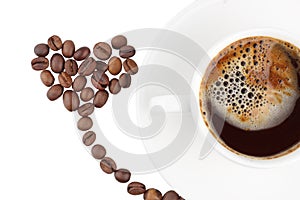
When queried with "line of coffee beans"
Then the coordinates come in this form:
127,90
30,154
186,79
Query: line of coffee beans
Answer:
75,72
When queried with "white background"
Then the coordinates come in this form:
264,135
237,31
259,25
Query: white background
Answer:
41,154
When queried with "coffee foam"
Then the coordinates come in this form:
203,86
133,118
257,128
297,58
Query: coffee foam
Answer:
252,83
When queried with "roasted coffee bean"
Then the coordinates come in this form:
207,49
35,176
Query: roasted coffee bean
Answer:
57,63
101,77
47,78
97,85
86,109
71,67
41,50
108,165
102,50
152,194
127,51
79,83
114,86
65,79
71,100
125,80
40,63
87,67
55,92
68,48
55,43
101,66
84,123
100,98
136,188
114,65
89,138
98,151
122,175
82,53
87,94
118,41
171,195
130,66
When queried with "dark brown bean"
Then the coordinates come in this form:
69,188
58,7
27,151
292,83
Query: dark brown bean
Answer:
55,43
101,66
87,67
136,188
171,195
127,51
125,80
41,50
114,86
57,63
100,98
68,48
39,63
65,79
71,67
114,65
98,151
97,85
84,123
55,92
71,100
79,83
122,175
87,94
86,109
82,53
118,41
89,138
101,77
130,66
108,165
102,50
152,194
47,78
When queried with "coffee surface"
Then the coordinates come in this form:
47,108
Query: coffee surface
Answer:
249,96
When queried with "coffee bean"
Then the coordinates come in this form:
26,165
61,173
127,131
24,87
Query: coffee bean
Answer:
82,53
152,194
101,66
57,63
115,65
118,41
89,138
114,86
79,83
41,50
87,94
71,100
127,51
102,50
125,80
40,63
55,43
122,175
47,78
101,78
87,67
171,195
71,67
84,123
130,66
136,188
97,85
68,48
98,151
55,92
86,109
108,165
100,98
65,79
